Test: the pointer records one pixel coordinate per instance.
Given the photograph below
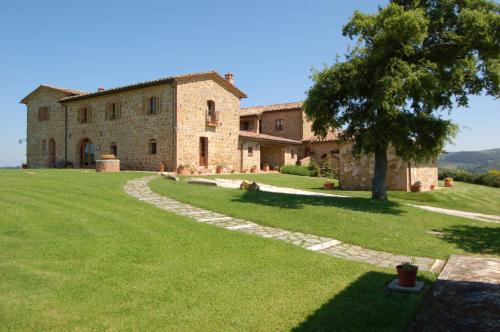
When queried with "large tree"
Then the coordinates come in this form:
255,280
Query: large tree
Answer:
412,59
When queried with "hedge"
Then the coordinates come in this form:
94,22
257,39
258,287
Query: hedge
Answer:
295,170
491,179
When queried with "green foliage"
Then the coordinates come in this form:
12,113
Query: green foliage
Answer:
412,59
323,169
471,161
296,170
491,179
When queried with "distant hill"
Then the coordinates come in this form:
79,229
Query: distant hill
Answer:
471,161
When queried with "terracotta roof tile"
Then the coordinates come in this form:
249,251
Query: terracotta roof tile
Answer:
258,110
209,74
70,92
269,138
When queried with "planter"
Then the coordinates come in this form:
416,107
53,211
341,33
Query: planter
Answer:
24,166
407,277
253,169
328,185
265,168
415,189
448,182
433,187
161,168
182,170
220,169
108,156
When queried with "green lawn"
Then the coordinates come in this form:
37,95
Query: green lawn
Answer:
388,226
77,253
463,196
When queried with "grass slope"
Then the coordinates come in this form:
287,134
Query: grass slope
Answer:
77,253
463,196
387,226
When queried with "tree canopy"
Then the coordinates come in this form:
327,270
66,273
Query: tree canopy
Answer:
412,59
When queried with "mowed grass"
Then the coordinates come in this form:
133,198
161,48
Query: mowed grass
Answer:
387,226
77,253
463,196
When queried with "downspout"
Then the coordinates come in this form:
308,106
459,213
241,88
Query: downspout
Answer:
174,87
65,135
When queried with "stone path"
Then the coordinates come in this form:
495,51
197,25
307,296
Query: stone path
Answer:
458,213
139,188
466,297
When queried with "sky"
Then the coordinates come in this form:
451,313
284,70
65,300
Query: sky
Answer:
270,46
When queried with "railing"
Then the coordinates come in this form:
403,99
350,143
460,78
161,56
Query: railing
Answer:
212,118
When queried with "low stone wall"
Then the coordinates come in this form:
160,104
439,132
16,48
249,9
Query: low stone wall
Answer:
107,165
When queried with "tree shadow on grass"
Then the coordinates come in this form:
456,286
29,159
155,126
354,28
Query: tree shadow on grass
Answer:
473,239
366,305
290,201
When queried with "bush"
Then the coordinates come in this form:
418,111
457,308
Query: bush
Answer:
295,170
492,178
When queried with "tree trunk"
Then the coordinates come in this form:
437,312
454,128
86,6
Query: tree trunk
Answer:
379,182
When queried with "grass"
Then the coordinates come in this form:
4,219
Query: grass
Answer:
77,253
387,226
463,196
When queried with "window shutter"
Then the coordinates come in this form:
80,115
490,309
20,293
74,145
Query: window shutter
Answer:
118,110
78,114
48,113
158,108
89,118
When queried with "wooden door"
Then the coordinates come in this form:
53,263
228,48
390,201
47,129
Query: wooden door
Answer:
204,151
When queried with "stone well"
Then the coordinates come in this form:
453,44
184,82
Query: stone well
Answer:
107,163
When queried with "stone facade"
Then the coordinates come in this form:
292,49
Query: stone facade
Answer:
357,174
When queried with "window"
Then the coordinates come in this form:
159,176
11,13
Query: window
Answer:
307,152
212,116
153,105
250,151
152,146
260,126
113,111
84,115
245,125
43,113
113,149
292,154
44,147
279,124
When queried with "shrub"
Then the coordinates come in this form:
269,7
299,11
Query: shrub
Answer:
492,178
295,170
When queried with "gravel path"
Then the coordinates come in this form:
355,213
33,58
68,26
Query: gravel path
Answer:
463,214
139,189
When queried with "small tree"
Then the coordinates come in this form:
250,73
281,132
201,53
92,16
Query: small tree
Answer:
412,59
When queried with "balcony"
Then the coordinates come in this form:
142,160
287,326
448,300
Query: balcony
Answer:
212,118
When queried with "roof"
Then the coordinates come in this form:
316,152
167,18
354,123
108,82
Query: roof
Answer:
70,92
173,79
267,138
311,138
258,110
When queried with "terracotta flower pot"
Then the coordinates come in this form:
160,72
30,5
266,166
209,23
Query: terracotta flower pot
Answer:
253,169
161,168
181,170
433,187
448,182
265,168
220,169
407,277
108,156
328,186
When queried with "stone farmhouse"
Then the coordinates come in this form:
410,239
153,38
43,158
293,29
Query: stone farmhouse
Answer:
190,123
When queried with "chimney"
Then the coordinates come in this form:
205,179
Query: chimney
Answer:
100,89
229,77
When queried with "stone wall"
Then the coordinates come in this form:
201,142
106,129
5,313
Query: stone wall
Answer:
292,124
192,97
247,161
272,155
131,132
426,173
357,174
40,133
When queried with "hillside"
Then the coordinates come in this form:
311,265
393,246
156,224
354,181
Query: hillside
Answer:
471,161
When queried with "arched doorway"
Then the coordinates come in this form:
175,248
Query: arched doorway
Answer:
87,153
52,153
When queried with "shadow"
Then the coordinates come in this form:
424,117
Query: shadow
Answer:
366,305
473,239
460,306
290,201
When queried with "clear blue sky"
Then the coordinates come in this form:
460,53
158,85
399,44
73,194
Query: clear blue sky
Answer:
269,45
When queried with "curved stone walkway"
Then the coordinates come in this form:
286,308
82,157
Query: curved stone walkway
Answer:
139,189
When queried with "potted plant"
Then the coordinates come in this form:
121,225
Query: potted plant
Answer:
433,187
253,169
328,185
182,170
108,156
220,169
24,166
161,168
416,187
265,167
407,274
448,182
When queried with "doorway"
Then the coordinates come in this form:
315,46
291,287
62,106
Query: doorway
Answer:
87,154
204,151
52,153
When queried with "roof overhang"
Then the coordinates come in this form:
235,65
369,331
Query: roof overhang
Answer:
69,92
248,135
